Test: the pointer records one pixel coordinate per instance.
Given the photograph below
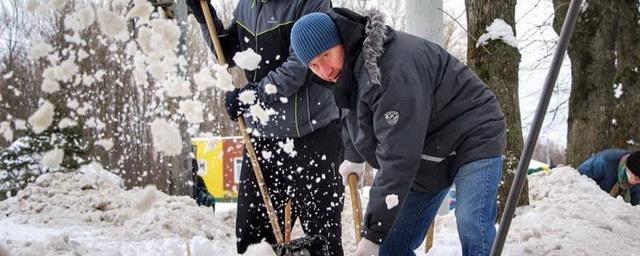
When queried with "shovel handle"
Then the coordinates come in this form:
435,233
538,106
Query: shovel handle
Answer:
273,218
355,204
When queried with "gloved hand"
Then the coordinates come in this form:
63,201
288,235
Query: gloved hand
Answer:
232,103
347,167
367,248
196,9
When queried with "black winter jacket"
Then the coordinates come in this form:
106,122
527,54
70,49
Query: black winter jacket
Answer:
416,113
265,27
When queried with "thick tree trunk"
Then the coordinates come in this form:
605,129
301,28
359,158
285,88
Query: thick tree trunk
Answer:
605,86
497,64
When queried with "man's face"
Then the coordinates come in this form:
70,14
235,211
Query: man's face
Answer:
328,65
633,179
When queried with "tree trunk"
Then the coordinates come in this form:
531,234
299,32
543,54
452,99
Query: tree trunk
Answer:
497,64
605,78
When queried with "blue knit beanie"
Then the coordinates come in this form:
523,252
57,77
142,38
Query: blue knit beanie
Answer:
313,34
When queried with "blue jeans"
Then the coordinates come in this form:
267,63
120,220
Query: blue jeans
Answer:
476,211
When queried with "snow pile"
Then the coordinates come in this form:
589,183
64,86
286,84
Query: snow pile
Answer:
498,30
81,214
570,215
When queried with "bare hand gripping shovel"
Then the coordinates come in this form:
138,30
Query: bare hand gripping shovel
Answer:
310,245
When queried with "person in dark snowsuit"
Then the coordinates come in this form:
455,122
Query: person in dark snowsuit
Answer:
417,114
306,114
617,172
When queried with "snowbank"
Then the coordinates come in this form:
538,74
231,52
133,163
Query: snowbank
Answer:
76,213
67,214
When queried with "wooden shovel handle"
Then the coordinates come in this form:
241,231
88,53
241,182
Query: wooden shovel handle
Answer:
355,205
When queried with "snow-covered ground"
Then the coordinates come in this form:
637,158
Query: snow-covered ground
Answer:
84,214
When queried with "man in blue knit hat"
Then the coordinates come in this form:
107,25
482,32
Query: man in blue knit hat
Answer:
420,116
306,115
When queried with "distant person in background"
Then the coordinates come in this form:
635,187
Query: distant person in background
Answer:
200,192
617,172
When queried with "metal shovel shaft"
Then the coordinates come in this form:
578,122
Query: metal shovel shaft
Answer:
525,158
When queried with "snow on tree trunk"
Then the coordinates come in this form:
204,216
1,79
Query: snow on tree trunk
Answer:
497,62
606,78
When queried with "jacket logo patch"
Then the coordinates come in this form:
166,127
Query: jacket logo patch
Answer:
392,117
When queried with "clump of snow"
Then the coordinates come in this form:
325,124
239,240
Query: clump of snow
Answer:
39,50
261,249
391,201
8,75
42,118
177,87
166,137
49,86
266,155
247,97
66,123
85,16
6,131
247,59
192,111
111,24
617,90
147,198
270,89
95,174
224,80
261,114
288,147
141,9
498,30
284,99
107,144
203,79
53,158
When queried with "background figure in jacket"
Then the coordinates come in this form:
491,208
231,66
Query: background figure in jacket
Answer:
200,192
306,116
420,116
617,172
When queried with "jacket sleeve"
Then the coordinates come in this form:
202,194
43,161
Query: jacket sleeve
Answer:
350,152
228,37
291,75
400,116
593,168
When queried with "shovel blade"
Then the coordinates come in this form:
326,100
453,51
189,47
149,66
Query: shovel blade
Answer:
315,245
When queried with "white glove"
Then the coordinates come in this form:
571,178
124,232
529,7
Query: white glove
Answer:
347,167
367,248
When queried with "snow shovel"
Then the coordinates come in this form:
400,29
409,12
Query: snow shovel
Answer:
355,205
311,245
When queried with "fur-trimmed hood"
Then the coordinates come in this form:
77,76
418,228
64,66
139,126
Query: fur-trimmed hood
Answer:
363,38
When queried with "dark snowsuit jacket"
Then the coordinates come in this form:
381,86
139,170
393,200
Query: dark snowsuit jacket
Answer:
416,113
265,26
603,169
